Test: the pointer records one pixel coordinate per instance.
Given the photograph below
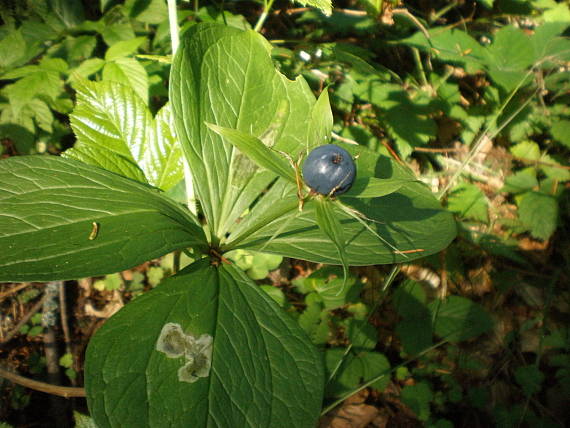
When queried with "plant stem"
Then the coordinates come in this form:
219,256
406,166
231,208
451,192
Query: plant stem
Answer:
387,282
486,134
175,41
266,7
62,391
380,376
420,65
173,22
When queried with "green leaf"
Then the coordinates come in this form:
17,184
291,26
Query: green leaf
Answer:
561,132
418,398
451,45
355,370
254,344
327,282
329,223
257,151
62,219
123,48
362,335
315,320
510,50
86,68
526,150
457,318
116,131
521,181
469,201
83,421
530,378
486,3
321,123
539,212
410,220
406,121
372,187
130,72
415,329
148,11
324,5
226,77
12,49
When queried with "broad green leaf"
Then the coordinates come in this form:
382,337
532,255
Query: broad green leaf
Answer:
69,13
123,48
321,122
451,45
129,72
264,370
324,5
116,131
62,219
226,77
42,80
408,122
148,11
86,69
561,132
415,328
521,181
468,201
372,187
457,318
418,398
330,225
527,150
486,3
530,378
12,49
355,370
258,152
510,50
410,220
539,213
83,421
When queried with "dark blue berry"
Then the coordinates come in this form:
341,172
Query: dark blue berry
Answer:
329,168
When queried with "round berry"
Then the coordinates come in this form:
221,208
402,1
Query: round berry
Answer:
329,169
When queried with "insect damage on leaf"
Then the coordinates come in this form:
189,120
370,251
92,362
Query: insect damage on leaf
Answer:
94,231
197,352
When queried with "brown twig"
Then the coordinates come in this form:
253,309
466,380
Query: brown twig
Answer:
444,150
48,388
407,14
13,290
24,320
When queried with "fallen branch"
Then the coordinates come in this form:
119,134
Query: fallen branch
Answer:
48,388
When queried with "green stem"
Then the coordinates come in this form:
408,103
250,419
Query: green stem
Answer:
420,65
486,134
175,41
442,11
266,7
380,376
173,21
387,282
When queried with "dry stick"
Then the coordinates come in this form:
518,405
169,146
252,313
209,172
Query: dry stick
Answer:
65,327
24,320
48,388
50,307
14,290
412,18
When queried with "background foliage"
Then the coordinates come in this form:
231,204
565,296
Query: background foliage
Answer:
472,96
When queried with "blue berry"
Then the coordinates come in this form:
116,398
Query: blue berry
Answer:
329,168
